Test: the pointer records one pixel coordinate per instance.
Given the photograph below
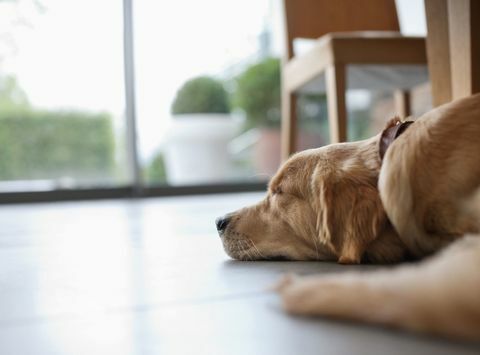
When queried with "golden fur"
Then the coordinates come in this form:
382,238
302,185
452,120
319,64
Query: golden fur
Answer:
340,203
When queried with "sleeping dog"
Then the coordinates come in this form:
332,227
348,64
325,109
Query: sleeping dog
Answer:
408,192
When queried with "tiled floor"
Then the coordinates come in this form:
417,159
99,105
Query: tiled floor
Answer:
150,277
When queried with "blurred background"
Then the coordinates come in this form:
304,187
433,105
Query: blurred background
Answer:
189,95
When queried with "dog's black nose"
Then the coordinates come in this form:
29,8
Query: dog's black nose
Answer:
222,223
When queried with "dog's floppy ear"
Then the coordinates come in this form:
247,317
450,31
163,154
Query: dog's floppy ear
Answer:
393,129
351,216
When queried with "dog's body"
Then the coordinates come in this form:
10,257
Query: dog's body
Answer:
440,295
324,204
431,175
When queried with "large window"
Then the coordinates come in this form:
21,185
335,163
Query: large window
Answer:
205,102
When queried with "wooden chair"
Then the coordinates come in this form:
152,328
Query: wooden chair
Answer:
453,48
342,50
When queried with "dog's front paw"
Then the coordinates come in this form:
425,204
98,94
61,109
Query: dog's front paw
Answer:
302,295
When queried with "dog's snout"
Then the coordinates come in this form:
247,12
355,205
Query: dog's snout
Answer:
222,223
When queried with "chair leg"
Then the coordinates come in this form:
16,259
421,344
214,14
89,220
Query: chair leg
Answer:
464,38
289,124
337,111
402,103
438,50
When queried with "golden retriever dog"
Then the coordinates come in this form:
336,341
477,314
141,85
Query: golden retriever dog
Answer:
406,193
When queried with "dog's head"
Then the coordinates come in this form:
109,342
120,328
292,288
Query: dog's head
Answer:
323,204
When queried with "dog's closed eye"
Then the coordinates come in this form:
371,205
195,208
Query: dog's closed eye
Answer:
277,190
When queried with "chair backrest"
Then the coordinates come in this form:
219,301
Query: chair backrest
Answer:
315,18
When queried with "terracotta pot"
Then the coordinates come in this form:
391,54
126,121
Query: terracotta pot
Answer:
267,149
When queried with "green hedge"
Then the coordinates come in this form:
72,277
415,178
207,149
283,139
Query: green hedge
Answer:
38,144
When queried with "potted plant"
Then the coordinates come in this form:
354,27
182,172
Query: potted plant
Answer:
201,128
258,95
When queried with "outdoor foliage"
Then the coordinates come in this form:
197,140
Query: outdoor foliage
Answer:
258,93
11,94
38,144
201,95
156,171
46,144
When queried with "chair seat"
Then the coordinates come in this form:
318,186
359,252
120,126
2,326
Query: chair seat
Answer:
374,77
376,61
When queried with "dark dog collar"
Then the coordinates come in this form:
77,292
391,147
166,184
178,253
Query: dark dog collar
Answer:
390,134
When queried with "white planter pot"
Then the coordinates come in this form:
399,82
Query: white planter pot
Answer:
196,148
